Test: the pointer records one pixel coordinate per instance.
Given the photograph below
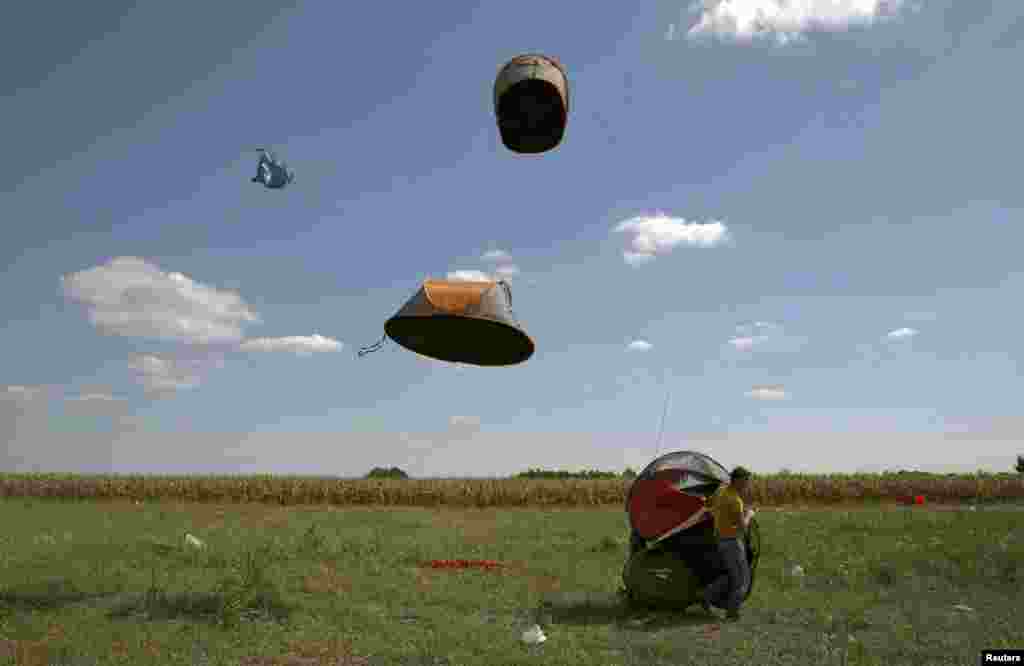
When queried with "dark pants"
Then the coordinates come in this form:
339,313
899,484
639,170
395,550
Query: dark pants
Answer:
729,589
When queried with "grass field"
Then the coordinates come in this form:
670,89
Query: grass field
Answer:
92,582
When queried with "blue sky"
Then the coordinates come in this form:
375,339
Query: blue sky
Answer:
854,172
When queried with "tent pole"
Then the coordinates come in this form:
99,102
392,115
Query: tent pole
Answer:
664,413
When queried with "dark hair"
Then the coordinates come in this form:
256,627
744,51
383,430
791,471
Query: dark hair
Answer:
740,473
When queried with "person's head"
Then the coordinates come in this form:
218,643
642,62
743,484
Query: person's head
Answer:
740,479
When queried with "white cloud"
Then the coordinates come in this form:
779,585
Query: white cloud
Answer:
96,403
22,393
639,345
128,296
161,375
757,328
659,234
786,20
767,393
496,255
296,344
504,267
745,343
470,276
764,336
637,258
901,333
93,397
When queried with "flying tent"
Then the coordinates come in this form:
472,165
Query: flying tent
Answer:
272,173
531,101
673,547
460,322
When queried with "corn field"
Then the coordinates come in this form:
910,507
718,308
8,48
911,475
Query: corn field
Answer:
777,490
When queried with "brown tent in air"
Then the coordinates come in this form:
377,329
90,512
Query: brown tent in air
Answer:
461,322
531,100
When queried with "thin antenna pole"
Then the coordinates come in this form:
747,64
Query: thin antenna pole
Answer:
664,414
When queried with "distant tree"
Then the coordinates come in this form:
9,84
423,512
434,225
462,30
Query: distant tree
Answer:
565,474
1020,464
630,473
386,473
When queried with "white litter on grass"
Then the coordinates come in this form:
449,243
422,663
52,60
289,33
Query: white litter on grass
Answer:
534,635
797,571
965,608
194,542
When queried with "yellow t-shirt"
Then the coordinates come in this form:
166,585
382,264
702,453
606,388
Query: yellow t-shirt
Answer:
727,508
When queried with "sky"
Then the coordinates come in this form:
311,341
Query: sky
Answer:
785,234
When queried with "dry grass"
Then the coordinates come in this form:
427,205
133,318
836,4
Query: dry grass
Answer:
256,493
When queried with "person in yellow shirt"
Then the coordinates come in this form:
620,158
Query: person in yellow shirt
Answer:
731,522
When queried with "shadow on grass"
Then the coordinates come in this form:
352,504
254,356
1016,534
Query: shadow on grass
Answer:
48,594
199,606
603,608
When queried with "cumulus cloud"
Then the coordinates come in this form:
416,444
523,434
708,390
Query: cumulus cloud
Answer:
21,394
470,276
161,375
659,234
639,345
767,393
507,270
765,337
753,334
786,20
93,398
96,403
745,343
503,266
128,296
901,334
296,344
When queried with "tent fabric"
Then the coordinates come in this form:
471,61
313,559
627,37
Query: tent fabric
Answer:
662,578
656,507
673,545
461,322
455,297
532,66
696,463
671,494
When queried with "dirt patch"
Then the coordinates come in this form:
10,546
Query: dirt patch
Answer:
327,580
468,526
